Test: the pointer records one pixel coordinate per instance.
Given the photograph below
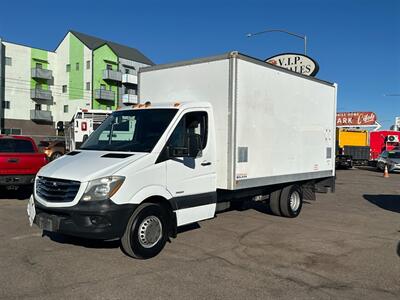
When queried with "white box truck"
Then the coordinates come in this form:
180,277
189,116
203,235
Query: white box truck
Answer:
207,133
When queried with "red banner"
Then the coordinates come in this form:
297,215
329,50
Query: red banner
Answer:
355,118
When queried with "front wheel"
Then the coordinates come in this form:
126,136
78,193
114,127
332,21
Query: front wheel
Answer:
146,232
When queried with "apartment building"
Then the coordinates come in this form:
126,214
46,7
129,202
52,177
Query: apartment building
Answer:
41,88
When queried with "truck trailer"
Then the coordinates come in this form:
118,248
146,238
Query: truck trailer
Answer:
206,134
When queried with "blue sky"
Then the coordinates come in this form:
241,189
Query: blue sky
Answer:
356,43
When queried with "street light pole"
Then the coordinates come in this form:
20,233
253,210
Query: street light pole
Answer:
303,37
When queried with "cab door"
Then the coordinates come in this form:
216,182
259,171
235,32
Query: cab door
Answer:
192,180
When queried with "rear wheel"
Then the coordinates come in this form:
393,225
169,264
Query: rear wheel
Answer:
55,155
274,202
146,232
291,201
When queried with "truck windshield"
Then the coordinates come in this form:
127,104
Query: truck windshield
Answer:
130,130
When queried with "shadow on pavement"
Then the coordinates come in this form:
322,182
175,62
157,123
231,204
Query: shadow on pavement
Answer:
88,243
22,193
388,202
188,227
398,249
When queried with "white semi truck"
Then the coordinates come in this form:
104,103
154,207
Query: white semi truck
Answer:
207,133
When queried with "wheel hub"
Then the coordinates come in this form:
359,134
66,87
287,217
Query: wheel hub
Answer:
150,231
295,201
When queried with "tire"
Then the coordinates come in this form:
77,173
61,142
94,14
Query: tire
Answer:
150,218
291,201
274,202
55,155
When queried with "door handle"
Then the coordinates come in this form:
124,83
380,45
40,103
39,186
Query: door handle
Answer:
13,160
206,163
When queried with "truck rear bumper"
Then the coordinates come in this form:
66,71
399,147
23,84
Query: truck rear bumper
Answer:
102,220
6,180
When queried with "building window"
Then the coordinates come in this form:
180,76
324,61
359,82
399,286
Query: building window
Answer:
38,86
77,66
68,68
65,108
64,88
127,71
88,86
88,64
109,67
102,86
6,104
38,107
14,131
8,61
39,65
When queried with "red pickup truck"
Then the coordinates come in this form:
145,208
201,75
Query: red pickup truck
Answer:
20,160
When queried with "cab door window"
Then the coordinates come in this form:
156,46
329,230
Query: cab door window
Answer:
193,123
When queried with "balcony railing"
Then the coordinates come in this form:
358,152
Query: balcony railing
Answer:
112,75
44,95
129,99
40,73
41,116
129,78
104,95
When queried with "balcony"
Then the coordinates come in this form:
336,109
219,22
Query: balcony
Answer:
129,78
42,116
39,73
112,75
101,94
42,96
129,99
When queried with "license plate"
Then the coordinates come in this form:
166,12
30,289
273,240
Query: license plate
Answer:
31,210
45,223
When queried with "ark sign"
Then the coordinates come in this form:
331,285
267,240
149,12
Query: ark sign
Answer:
295,62
354,119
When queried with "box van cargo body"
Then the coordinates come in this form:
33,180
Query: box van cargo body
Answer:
207,134
271,126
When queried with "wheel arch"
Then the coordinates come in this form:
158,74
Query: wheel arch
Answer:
168,206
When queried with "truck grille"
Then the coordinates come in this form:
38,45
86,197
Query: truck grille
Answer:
56,190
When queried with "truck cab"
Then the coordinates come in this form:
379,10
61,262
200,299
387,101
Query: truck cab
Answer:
158,157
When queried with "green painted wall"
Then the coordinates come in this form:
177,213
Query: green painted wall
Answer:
76,85
101,57
39,56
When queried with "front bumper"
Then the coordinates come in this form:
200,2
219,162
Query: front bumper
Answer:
6,180
102,220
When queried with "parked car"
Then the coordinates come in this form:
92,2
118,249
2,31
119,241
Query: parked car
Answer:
344,162
20,160
53,149
389,158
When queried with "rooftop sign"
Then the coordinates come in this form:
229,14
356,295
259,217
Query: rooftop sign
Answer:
299,63
354,119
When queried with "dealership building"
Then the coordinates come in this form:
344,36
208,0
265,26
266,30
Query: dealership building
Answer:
40,88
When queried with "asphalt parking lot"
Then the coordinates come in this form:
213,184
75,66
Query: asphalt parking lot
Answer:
344,245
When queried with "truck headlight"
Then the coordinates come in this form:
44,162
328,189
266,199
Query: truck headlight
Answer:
102,188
